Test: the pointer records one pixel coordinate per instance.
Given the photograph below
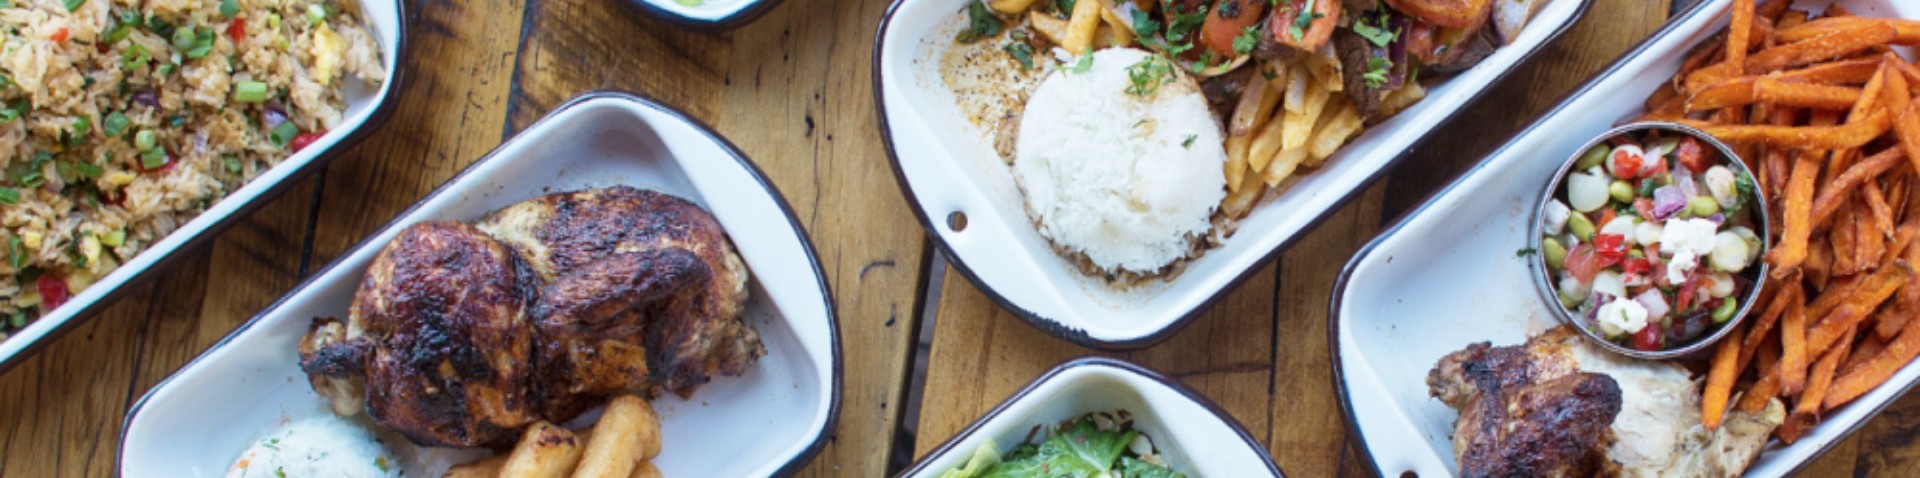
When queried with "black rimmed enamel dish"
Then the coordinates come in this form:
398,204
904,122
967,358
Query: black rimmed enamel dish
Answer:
966,197
199,420
704,14
1194,435
367,108
1751,280
1447,274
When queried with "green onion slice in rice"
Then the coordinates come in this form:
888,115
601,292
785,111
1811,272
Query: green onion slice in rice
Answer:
9,196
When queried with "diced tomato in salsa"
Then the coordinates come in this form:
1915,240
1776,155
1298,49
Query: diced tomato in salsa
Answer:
53,292
1692,154
1647,338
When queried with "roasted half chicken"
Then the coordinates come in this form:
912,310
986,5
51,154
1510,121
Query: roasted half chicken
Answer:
689,336
1557,406
437,344
460,334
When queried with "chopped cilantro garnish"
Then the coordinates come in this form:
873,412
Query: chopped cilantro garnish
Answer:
1147,75
1303,20
1189,142
1378,35
1144,24
1377,70
1525,252
1021,52
981,23
1063,6
1248,39
1082,65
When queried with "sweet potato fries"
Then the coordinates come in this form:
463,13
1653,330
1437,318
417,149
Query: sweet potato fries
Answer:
1822,108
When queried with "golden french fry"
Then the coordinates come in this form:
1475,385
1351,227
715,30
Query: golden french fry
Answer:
488,468
646,470
1010,7
1325,65
1246,114
1122,29
1053,28
1284,165
1241,198
1236,166
627,433
1335,134
1403,98
1267,143
1299,127
1296,88
1081,27
544,451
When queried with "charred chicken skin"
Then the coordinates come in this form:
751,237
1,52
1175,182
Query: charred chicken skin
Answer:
437,339
690,335
1526,410
460,334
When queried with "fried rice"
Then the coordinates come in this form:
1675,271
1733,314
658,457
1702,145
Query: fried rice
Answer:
120,120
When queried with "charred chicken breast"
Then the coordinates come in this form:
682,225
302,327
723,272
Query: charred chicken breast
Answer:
691,335
437,339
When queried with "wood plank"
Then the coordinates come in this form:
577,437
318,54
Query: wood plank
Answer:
797,98
575,46
1304,398
451,110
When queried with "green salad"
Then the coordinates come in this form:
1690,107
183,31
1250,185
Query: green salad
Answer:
1098,444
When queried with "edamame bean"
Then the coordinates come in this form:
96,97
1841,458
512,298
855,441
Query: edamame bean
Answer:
1593,157
1724,312
1581,226
1621,191
1703,206
1555,253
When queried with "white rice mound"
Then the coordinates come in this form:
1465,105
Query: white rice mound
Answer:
1128,182
323,446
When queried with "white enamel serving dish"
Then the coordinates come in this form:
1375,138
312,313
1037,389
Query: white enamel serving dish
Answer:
366,109
705,14
947,168
1195,436
1447,275
197,421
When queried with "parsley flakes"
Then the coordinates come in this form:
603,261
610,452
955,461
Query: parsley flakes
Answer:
1147,75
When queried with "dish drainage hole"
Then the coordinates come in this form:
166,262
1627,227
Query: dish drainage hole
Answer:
1409,474
957,221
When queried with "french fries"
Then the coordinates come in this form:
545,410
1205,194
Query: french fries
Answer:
621,445
1081,26
545,451
1826,108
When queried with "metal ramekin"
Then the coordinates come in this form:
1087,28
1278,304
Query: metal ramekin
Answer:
1545,282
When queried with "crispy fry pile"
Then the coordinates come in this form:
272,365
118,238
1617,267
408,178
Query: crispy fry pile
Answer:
621,445
1821,108
1292,116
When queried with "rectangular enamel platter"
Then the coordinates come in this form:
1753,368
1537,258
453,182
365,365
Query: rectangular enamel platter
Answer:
1195,435
197,421
367,107
1447,275
947,167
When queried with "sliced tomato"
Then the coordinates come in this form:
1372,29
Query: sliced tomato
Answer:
1286,13
53,292
1610,248
1634,265
59,36
302,140
1648,338
1627,164
1683,296
1583,263
1692,154
1419,38
1227,22
237,29
1470,14
1607,215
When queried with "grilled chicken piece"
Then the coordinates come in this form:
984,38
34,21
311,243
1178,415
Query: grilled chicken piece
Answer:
591,324
689,336
1526,411
1558,406
437,337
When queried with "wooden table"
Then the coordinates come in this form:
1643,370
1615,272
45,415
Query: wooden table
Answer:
793,91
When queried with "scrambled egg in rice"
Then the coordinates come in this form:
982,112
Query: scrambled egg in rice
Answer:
120,120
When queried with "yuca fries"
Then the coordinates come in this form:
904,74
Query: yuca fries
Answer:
621,445
1827,110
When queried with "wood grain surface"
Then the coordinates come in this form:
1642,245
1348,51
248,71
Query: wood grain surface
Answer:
793,91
